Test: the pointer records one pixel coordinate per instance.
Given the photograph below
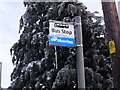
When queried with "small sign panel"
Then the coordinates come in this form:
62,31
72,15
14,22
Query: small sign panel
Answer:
112,47
61,34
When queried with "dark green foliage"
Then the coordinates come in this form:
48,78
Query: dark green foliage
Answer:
34,59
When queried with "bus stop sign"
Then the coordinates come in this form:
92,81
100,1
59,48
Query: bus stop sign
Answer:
61,34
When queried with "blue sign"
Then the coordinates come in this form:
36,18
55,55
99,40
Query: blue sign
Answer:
62,41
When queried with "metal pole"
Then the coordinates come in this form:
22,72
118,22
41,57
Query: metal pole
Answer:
56,58
0,73
79,54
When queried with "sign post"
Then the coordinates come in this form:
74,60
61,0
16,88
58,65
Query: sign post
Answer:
56,57
79,54
62,34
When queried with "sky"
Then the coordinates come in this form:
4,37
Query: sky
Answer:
10,13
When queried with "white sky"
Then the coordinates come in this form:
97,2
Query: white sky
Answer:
10,13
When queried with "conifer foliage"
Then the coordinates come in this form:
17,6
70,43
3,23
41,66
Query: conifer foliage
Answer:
34,59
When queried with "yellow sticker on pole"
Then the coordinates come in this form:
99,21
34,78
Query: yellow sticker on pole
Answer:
112,47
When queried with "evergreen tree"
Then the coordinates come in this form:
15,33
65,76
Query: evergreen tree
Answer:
34,59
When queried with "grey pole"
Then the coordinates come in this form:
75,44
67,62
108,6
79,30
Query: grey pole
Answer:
56,57
0,73
79,54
